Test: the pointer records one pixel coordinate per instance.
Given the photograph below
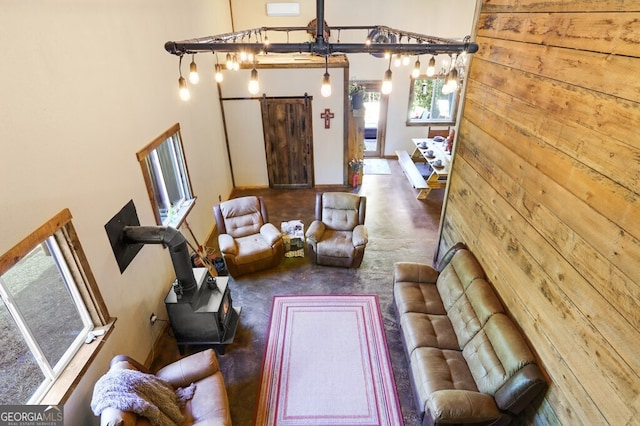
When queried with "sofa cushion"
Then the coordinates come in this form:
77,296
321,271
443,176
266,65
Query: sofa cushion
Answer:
336,244
420,330
435,369
472,310
461,407
242,216
341,211
496,353
417,297
209,403
457,276
252,248
414,289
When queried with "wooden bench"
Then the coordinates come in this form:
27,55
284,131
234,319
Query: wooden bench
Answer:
413,174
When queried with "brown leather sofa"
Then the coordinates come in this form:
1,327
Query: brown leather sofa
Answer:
338,236
247,241
209,404
469,363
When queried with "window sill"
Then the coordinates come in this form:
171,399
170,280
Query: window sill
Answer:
69,379
176,220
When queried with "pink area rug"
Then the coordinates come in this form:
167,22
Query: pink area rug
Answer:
326,363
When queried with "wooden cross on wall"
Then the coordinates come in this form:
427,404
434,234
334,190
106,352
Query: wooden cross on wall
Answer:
327,115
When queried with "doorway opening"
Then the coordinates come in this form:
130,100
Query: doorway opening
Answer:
375,118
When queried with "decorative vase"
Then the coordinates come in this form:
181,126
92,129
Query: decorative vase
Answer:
354,180
357,100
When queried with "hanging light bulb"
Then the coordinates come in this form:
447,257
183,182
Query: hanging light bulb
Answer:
431,68
266,40
218,73
254,86
453,81
194,78
325,90
229,61
243,56
386,82
405,60
415,73
397,61
446,89
184,90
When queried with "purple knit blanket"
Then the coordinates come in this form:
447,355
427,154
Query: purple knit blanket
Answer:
141,393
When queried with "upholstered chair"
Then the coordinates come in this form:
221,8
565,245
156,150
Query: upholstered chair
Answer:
247,241
338,237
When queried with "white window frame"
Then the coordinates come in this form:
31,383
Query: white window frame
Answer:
61,240
166,211
454,99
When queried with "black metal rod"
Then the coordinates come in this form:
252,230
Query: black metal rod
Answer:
189,47
320,22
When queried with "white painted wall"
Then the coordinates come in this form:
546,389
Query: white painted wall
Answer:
244,122
83,87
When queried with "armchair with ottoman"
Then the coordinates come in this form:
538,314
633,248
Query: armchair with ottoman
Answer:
190,391
338,236
468,362
248,242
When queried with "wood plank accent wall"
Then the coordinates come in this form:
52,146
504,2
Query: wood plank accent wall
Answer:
544,189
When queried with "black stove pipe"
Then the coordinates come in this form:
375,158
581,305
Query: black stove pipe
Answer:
178,249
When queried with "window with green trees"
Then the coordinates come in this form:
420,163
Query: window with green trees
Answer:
428,105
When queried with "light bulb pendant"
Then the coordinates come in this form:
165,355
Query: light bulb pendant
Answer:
218,73
431,68
194,78
325,90
386,83
254,85
184,90
415,73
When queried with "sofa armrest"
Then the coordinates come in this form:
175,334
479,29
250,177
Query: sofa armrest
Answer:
227,244
414,272
113,417
521,389
121,362
461,406
360,236
190,369
270,233
315,231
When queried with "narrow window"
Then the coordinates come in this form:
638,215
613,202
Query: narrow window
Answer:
165,173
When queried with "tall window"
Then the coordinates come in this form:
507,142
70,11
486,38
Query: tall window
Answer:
165,173
43,315
428,105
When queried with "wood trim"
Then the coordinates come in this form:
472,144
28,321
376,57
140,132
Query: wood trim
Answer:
17,252
144,152
64,386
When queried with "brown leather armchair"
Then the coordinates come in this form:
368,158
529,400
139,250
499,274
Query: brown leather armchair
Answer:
338,236
208,405
247,241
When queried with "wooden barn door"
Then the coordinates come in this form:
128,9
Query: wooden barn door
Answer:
288,139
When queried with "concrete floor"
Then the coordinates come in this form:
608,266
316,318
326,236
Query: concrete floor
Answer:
401,228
